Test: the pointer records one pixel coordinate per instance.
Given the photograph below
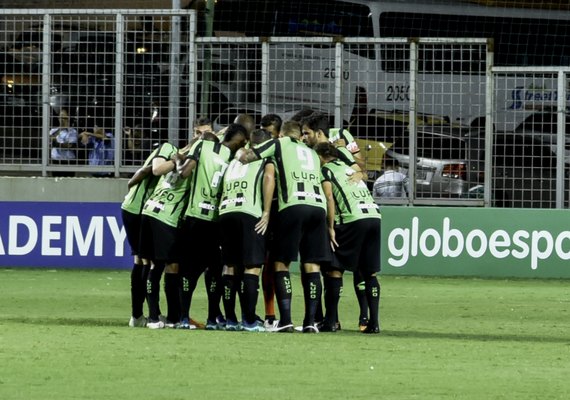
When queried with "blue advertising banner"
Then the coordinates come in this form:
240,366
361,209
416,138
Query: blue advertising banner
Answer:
63,235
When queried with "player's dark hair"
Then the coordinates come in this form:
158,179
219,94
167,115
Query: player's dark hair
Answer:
304,113
210,136
234,130
259,136
247,121
271,120
326,150
202,121
317,121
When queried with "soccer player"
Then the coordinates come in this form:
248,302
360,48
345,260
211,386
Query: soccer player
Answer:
271,123
301,223
342,138
207,161
244,217
353,220
160,237
316,130
141,185
202,125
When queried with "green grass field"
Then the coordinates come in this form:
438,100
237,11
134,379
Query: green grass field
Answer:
64,335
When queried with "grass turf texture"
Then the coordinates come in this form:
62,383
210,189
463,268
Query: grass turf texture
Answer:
64,335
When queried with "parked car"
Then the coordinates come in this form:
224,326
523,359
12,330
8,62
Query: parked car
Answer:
543,127
524,172
442,167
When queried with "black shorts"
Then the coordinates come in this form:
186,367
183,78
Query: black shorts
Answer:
359,246
241,245
132,224
159,241
201,243
301,230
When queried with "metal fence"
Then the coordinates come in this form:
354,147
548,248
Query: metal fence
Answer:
467,132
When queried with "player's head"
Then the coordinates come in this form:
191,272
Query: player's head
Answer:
326,151
315,129
202,125
247,121
259,136
235,137
304,113
291,129
272,124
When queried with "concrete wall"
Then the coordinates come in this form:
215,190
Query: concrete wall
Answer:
63,189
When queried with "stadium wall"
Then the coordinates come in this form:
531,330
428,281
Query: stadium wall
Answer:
76,223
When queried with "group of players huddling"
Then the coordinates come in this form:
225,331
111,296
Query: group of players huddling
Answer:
247,202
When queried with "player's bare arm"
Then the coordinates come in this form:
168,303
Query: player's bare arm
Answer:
268,189
185,166
246,156
328,192
162,166
141,173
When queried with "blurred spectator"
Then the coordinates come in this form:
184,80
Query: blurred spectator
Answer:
64,140
101,145
392,183
136,145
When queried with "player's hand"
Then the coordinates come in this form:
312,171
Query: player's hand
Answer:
180,164
332,235
239,153
261,226
356,177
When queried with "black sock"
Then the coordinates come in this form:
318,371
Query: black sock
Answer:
373,296
360,291
312,290
138,290
249,297
284,294
319,316
153,291
214,290
172,297
229,298
333,288
187,284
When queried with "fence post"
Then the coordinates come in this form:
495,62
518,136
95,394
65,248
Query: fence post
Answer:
412,126
561,139
489,125
46,77
338,114
174,82
119,60
264,76
192,51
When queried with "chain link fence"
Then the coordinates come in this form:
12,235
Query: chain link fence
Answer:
91,92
